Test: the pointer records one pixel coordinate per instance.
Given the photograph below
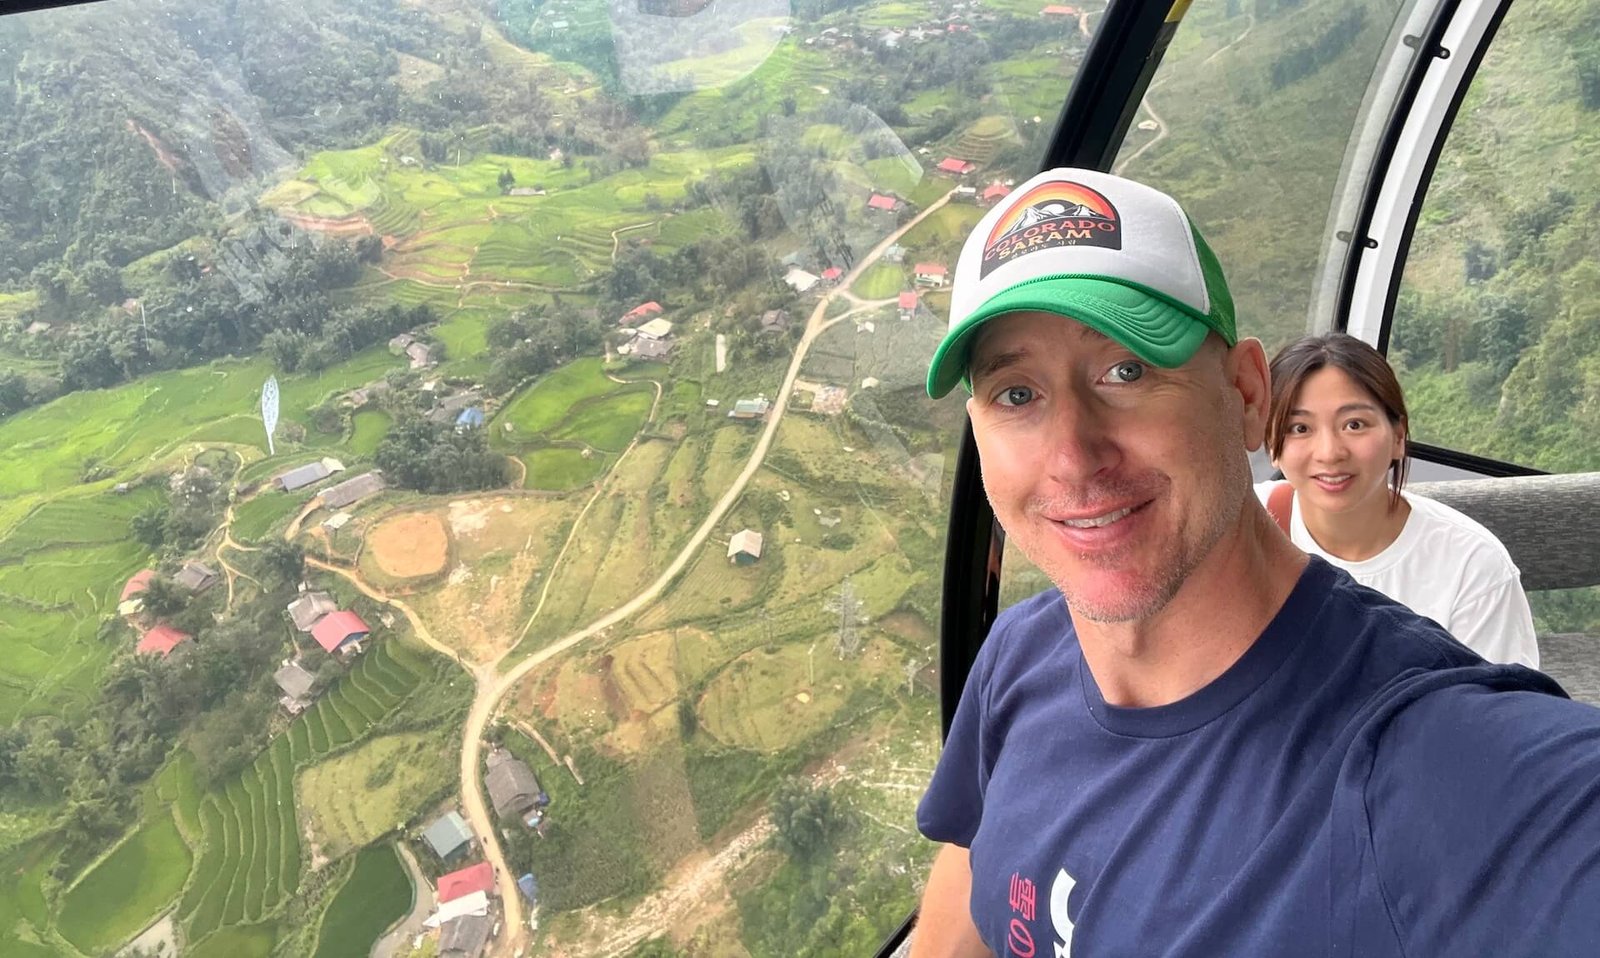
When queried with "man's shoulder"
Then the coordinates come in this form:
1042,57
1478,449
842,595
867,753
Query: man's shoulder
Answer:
1038,624
1480,729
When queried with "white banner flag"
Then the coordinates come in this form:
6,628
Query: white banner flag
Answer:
269,411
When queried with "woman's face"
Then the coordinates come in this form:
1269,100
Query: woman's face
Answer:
1338,445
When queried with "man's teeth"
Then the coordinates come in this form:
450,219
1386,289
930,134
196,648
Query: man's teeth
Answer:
1098,521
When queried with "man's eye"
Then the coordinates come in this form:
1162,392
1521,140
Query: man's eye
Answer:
1016,396
1125,372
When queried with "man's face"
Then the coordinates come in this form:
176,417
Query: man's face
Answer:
1114,476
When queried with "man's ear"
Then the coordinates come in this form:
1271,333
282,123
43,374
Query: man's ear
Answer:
1249,376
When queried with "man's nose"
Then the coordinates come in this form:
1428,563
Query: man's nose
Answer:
1079,441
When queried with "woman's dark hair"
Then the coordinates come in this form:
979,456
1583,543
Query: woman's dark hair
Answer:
1355,359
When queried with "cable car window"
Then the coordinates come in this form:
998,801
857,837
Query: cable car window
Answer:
482,446
1495,334
1250,122
1495,331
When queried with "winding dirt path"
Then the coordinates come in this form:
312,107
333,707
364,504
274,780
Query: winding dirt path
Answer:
489,696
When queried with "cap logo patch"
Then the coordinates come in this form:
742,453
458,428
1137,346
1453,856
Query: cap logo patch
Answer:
1051,215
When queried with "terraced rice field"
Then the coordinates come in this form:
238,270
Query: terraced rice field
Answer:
251,858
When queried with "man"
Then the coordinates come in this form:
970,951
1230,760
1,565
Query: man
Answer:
1207,743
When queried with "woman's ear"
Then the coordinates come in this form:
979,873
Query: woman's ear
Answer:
1400,437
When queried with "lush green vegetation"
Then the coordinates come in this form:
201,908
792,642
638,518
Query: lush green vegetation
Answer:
375,896
256,516
359,795
121,894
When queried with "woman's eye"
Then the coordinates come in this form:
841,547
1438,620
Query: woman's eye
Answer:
1298,429
1016,396
1355,425
1125,372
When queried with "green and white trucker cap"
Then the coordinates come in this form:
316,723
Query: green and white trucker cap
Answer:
1118,256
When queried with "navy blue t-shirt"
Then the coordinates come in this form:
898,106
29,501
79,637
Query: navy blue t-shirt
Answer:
1357,784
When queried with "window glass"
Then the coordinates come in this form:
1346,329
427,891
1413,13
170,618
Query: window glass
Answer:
1248,123
1496,331
483,434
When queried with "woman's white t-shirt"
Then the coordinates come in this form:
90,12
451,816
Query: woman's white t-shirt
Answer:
1446,566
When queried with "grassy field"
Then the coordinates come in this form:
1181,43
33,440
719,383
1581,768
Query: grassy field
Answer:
608,424
141,876
559,468
367,428
245,941
255,517
882,281
375,896
361,794
549,401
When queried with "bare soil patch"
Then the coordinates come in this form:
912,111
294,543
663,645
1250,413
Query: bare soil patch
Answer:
410,545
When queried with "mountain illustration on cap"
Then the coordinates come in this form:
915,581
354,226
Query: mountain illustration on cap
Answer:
1051,210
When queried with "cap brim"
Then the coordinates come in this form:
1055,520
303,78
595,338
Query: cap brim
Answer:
1152,327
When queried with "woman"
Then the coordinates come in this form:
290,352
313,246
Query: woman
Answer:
1337,431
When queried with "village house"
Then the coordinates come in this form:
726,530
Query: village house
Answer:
775,321
196,576
1059,10
465,937
336,522
302,476
930,274
398,344
448,836
750,409
458,884
882,203
801,281
640,313
894,254
470,418
831,275
130,603
161,640
340,632
908,304
651,348
420,354
965,194
309,609
513,789
655,329
994,193
745,547
955,166
297,685
351,491
450,408
473,904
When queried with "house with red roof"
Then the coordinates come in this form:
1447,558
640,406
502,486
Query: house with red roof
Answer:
930,274
878,201
1059,10
161,640
640,313
832,274
338,630
137,584
473,878
908,303
994,193
130,603
956,166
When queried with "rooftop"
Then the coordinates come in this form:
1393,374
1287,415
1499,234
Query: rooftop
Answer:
479,877
337,628
447,833
310,607
295,681
162,639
